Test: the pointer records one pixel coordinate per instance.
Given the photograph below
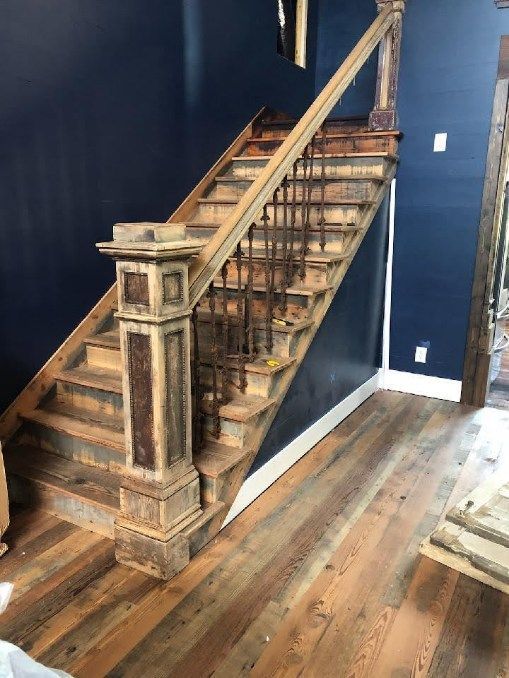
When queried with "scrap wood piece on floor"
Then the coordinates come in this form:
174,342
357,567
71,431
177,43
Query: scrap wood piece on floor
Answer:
474,538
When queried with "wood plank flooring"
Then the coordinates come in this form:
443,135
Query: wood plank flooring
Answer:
319,577
499,391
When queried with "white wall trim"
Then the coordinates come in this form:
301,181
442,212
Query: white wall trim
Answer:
266,475
421,384
386,337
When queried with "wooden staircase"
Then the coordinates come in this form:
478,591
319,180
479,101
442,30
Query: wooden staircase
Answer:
66,451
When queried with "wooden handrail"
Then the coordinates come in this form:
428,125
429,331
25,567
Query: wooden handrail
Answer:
207,265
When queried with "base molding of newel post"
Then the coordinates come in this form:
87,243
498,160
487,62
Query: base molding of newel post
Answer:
160,490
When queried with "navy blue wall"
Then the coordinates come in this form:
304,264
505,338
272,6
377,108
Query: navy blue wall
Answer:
448,73
346,350
112,111
447,81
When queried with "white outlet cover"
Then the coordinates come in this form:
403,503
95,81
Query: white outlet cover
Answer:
421,354
440,145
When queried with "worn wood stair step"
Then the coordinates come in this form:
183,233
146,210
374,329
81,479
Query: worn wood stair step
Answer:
261,374
201,530
332,156
215,464
270,203
238,417
80,423
343,166
82,495
93,376
340,143
109,339
284,127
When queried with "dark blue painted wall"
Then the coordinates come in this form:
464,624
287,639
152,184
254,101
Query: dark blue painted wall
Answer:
447,81
448,73
112,111
346,350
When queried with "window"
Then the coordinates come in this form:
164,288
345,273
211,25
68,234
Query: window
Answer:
292,30
502,3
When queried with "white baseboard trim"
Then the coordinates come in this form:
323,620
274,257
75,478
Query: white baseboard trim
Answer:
420,384
266,475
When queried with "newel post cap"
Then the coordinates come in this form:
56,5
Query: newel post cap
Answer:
397,5
149,240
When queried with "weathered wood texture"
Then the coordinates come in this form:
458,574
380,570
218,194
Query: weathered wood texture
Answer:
319,577
481,327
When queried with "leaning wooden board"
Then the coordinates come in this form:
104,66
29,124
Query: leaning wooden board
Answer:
474,538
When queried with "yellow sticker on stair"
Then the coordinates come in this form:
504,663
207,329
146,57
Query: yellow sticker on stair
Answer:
272,363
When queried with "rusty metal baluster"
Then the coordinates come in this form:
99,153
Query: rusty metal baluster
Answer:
216,424
307,209
224,375
293,222
284,247
196,386
273,259
249,302
321,219
240,323
268,319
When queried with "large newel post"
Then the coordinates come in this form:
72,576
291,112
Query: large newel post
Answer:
159,495
384,115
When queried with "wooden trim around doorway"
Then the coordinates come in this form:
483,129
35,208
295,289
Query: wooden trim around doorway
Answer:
478,351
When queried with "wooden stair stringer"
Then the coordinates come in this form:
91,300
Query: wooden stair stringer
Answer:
304,342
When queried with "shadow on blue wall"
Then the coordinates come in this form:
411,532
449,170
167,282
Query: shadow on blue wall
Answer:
113,113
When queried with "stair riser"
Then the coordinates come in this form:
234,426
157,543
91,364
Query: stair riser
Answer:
316,274
105,357
71,447
336,242
263,385
233,433
341,190
334,127
71,508
336,167
283,342
353,144
338,214
92,399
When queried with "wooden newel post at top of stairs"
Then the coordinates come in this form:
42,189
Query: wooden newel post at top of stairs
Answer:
384,115
160,494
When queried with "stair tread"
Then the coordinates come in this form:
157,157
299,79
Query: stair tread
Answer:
330,226
80,423
216,458
110,339
209,512
93,376
258,365
240,408
336,135
91,484
314,201
304,291
359,154
259,322
234,178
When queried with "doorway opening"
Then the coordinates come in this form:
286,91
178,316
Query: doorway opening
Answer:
486,368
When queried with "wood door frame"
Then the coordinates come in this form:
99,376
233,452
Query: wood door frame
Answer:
478,353
301,32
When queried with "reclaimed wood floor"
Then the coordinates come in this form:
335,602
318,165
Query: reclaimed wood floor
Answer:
499,390
319,577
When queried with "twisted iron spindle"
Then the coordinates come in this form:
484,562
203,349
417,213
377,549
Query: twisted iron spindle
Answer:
216,424
224,375
293,222
268,318
195,385
249,295
240,323
321,219
306,211
273,259
284,247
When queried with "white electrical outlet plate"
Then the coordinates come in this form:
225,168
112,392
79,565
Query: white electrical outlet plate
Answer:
421,354
440,145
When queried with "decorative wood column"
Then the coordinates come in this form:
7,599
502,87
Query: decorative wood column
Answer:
160,494
384,115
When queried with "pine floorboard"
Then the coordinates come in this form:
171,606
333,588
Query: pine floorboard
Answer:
320,576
